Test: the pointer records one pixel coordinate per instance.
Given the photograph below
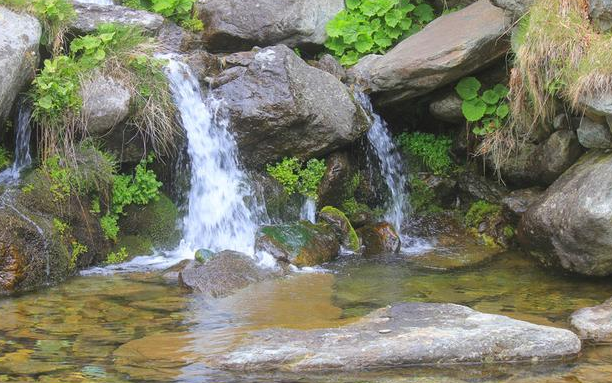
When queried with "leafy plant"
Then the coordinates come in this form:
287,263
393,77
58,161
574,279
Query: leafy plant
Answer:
180,11
77,250
110,226
59,178
297,179
429,149
119,256
60,226
487,110
373,26
55,16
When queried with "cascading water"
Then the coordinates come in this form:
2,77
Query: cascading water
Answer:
218,217
23,158
97,2
308,212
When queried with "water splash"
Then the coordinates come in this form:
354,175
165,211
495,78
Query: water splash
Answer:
218,217
308,212
23,131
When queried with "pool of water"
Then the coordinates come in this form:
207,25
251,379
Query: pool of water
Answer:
139,328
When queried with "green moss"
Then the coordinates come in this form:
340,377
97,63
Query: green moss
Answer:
479,212
423,198
156,221
352,239
134,245
509,232
427,150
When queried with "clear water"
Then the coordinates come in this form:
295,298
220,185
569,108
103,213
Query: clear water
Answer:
140,328
218,217
23,131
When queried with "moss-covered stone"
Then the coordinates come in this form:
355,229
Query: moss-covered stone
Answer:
339,221
135,245
155,221
379,238
301,244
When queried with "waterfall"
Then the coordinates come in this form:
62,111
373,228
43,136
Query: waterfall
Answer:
218,217
96,2
308,212
23,158
391,165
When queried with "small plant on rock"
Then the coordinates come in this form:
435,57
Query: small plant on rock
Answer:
119,256
429,149
486,110
296,178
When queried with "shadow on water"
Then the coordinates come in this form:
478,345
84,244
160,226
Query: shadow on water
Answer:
140,328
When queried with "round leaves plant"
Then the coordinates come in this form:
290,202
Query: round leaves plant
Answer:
487,110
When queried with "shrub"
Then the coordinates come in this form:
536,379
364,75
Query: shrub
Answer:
179,11
431,150
486,110
298,179
373,26
117,257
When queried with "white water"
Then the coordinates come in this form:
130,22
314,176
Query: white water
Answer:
97,2
308,212
23,159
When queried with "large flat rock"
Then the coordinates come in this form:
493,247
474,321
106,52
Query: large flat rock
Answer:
447,49
90,16
401,335
594,323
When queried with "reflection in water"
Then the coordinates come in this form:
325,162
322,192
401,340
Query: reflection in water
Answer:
138,328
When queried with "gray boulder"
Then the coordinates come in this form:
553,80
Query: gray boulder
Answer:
570,226
19,57
516,8
89,16
601,14
223,274
402,335
518,201
594,323
280,106
329,64
233,25
106,102
447,108
434,57
594,135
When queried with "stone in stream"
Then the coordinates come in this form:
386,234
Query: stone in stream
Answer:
344,230
434,56
291,108
19,43
594,323
223,274
232,25
301,243
402,335
379,238
90,16
569,225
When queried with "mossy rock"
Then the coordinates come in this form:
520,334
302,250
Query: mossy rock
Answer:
135,245
339,221
155,221
301,244
379,238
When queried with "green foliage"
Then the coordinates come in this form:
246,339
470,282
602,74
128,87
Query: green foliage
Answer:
373,26
117,257
487,110
193,24
297,179
59,178
431,150
60,226
479,212
77,250
180,11
352,207
110,226
5,159
55,16
422,198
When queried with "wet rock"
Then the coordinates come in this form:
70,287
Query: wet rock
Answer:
106,103
518,201
173,38
19,39
156,221
334,182
230,25
401,335
594,135
90,16
569,225
519,169
280,206
301,244
223,274
280,106
556,155
433,57
379,238
601,14
447,108
329,64
344,230
475,187
594,323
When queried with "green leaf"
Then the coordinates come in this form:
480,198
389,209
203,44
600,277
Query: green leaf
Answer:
501,90
336,45
502,111
393,17
490,97
45,102
474,109
424,13
491,109
364,43
382,40
468,88
349,58
353,4
369,7
406,23
406,6
386,6
335,27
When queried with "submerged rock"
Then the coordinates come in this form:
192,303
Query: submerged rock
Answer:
301,244
106,102
594,323
222,274
379,238
19,43
232,25
280,106
434,57
90,16
401,335
570,224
